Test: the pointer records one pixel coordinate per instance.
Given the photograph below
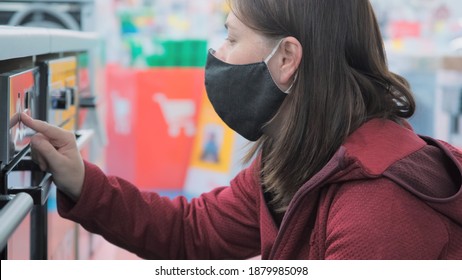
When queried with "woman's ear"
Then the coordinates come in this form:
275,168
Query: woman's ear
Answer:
291,52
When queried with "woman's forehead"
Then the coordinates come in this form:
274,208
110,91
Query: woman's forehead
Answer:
234,24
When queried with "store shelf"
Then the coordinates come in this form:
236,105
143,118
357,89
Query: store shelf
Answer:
20,42
56,1
29,47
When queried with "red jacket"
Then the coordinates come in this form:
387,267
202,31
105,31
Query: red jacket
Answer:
386,194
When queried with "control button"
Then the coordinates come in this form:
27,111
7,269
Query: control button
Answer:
60,99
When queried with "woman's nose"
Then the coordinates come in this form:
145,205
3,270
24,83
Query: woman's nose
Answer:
220,53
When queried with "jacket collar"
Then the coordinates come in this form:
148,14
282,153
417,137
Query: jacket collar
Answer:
379,143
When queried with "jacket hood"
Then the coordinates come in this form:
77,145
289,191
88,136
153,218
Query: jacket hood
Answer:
428,168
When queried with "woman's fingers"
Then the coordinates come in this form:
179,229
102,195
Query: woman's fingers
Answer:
36,154
55,150
56,135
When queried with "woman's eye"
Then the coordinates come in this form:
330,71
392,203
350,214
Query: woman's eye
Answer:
230,40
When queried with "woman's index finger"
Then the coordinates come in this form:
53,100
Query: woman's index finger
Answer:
50,131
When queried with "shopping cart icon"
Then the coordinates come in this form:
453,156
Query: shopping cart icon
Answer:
178,114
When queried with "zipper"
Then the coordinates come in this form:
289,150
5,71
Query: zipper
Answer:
333,167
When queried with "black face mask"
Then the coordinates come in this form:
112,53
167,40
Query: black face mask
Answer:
245,96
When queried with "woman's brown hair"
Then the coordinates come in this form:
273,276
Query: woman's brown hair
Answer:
343,81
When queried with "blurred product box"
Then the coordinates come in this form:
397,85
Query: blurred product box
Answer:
453,63
151,122
147,52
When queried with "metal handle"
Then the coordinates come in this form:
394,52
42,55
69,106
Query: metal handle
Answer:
83,137
39,193
87,102
12,214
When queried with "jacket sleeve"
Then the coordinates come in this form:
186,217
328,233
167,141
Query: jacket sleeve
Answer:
221,224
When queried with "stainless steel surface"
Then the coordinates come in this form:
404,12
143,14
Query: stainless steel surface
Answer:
16,41
83,137
12,213
49,1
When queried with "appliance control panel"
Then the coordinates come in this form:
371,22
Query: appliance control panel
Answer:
19,92
60,87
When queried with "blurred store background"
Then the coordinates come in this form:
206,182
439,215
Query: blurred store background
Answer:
423,39
154,125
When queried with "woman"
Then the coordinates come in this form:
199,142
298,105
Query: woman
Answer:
338,174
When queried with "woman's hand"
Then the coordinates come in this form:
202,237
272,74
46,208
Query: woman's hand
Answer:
55,150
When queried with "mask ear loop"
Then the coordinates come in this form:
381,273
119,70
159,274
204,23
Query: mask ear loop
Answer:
293,83
273,52
271,56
